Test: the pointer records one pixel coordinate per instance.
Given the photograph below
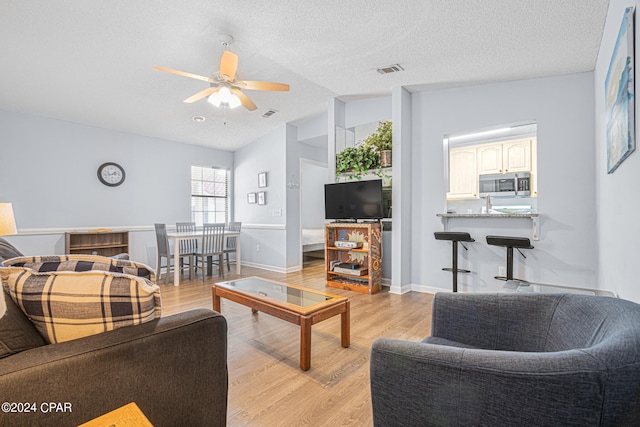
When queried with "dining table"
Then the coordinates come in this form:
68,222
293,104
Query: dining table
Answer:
179,236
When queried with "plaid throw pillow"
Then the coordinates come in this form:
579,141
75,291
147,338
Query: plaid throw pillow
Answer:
66,305
81,262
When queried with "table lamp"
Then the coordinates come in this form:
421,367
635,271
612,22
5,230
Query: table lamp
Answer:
7,226
7,220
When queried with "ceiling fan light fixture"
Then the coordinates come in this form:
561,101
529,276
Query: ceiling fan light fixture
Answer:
214,99
225,89
234,101
225,93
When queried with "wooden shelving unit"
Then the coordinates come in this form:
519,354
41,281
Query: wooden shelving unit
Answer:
106,243
369,256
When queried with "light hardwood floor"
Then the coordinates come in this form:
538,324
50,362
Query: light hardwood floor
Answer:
266,385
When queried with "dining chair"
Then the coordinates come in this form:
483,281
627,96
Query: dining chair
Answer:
188,247
212,246
164,251
231,245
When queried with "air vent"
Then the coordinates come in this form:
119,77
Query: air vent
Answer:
394,68
269,113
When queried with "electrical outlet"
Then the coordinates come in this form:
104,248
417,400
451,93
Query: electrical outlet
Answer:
257,248
502,272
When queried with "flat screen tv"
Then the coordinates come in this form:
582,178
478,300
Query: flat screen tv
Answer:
353,200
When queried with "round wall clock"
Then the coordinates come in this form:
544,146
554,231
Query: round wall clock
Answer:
111,174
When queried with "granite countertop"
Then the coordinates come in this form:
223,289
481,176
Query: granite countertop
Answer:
481,215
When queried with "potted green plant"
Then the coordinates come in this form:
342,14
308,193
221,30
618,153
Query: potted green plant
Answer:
357,160
382,141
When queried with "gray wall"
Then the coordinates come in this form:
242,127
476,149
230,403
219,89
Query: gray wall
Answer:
617,203
275,227
295,152
566,253
261,229
52,182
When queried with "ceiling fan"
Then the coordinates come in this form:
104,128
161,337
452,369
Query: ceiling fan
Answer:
224,88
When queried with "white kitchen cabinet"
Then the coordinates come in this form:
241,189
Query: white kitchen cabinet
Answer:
489,158
463,173
516,156
507,157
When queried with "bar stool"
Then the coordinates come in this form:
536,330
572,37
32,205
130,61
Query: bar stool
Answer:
510,243
454,237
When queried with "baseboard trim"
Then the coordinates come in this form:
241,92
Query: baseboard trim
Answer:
400,290
270,267
428,289
412,287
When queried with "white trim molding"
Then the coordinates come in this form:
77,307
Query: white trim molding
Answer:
265,226
270,267
44,231
428,289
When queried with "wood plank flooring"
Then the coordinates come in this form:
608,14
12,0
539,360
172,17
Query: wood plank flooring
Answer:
267,387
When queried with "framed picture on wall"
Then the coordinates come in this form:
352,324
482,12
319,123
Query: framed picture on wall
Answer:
262,198
620,96
262,179
251,197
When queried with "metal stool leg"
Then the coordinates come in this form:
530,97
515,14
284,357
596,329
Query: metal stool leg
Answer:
509,263
454,245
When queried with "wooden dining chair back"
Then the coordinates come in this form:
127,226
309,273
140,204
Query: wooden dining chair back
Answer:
189,247
212,246
231,245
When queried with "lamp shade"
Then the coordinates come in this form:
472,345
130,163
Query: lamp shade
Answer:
234,101
7,220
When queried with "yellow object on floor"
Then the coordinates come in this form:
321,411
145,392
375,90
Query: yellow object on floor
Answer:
128,415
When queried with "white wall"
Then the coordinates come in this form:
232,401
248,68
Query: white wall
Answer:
566,254
618,202
366,111
313,176
49,173
313,128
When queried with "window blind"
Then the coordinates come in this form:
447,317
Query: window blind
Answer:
209,195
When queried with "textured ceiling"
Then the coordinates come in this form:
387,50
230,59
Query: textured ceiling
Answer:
91,61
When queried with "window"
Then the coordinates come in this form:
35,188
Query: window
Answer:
209,195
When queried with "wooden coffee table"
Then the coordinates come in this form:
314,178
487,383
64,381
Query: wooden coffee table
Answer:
295,304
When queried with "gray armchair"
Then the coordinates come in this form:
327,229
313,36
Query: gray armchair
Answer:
510,359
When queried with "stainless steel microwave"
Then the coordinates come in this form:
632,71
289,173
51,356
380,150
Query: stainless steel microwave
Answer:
505,184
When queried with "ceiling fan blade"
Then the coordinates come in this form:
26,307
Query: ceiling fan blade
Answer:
202,94
282,87
228,65
244,99
185,74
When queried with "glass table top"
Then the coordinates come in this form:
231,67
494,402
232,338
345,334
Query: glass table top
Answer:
278,291
521,286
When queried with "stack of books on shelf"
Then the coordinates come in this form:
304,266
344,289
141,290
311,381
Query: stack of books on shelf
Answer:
347,244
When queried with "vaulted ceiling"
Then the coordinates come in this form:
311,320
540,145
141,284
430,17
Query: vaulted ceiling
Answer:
91,61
